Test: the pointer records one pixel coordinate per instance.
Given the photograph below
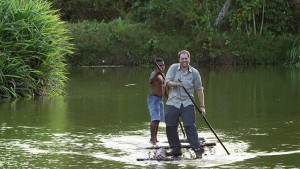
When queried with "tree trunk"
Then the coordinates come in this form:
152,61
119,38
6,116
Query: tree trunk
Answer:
254,24
246,27
262,18
222,12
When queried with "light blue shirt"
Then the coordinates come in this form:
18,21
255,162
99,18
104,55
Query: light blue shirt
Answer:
191,81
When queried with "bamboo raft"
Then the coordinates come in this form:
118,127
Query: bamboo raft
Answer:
158,153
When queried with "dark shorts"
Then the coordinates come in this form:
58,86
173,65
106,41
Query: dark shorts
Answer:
187,114
156,108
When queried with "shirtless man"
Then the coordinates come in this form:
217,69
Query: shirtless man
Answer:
155,98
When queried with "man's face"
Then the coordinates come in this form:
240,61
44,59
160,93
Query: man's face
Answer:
184,60
161,65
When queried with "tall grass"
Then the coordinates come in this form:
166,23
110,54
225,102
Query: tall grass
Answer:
33,45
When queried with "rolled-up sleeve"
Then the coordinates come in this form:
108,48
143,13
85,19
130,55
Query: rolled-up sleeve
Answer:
171,73
198,82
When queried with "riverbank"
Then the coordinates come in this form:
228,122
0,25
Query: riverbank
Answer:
123,43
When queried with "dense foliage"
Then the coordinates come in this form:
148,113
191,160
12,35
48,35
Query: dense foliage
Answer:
218,32
100,10
177,14
120,43
33,47
34,41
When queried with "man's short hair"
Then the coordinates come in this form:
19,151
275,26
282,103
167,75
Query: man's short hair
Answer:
184,52
158,60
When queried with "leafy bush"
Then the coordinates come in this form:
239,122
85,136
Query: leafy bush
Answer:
100,10
33,45
120,42
294,59
266,49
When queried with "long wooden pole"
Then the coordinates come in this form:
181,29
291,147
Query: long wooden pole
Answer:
204,118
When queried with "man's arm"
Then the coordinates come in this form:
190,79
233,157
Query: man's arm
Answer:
154,75
201,102
169,77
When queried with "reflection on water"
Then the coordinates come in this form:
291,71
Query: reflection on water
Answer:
103,122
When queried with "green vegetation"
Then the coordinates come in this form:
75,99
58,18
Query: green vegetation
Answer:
100,10
34,41
33,45
135,31
119,42
295,54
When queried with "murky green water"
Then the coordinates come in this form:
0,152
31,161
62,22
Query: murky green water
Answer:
103,121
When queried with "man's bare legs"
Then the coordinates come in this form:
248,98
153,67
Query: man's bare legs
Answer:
153,130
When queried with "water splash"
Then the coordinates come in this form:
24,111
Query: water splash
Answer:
124,148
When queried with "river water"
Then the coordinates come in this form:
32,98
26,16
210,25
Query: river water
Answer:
103,121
